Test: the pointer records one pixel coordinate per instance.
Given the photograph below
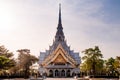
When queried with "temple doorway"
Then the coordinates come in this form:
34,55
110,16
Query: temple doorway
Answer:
56,73
63,73
51,73
68,73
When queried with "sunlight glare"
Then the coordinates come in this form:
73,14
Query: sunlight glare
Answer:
6,19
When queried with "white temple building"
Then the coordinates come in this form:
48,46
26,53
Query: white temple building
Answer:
59,60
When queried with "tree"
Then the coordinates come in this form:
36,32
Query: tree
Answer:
5,63
5,52
93,59
113,66
118,64
110,66
118,61
25,60
6,59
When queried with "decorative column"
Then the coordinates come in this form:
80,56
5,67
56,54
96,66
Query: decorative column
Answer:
53,72
59,72
71,72
65,73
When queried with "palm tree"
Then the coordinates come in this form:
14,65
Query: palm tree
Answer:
92,58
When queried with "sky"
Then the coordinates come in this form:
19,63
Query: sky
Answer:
32,24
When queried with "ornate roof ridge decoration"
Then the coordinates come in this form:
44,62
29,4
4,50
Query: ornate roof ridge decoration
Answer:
53,56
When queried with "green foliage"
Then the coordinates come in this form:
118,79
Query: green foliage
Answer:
6,60
93,60
112,65
5,52
25,60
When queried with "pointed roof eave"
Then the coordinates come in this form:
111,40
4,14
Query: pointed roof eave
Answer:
54,56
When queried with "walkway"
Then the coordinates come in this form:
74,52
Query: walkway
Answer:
60,79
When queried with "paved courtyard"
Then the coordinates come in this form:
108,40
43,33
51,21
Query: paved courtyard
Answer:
78,79
60,79
42,79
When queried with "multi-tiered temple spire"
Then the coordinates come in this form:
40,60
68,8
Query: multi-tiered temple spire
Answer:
59,56
59,34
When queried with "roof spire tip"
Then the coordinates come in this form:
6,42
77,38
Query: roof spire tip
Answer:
59,4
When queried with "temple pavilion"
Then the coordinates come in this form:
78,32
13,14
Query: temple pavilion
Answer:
59,60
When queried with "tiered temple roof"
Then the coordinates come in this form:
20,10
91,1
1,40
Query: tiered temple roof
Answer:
59,40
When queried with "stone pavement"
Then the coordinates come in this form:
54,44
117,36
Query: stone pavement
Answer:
42,79
54,79
60,79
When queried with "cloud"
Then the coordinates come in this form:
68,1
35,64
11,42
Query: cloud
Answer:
89,27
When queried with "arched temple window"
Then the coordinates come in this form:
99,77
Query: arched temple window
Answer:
51,73
63,73
68,73
56,73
